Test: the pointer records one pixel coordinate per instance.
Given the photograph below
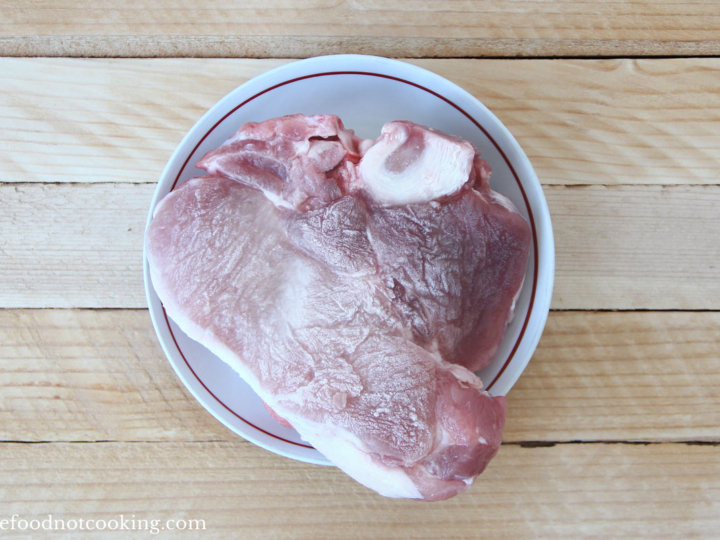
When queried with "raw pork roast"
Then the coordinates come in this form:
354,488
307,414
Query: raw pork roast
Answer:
356,286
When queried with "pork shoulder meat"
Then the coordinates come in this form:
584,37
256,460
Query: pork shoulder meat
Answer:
354,285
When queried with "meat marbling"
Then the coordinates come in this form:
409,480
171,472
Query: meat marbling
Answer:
353,285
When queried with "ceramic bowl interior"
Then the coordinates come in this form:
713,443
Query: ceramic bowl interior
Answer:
366,92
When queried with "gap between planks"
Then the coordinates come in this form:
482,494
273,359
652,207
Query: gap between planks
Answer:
258,28
601,122
522,444
101,375
565,492
612,246
444,49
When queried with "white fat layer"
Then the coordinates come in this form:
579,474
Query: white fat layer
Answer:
293,292
511,314
205,337
503,201
336,444
277,200
466,377
442,168
345,451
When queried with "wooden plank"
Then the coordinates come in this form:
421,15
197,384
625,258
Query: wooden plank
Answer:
618,247
638,376
105,121
88,375
92,46
580,122
396,28
84,242
604,122
570,491
636,247
93,375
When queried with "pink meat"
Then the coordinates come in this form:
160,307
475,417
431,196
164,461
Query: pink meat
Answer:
275,416
298,161
349,300
455,262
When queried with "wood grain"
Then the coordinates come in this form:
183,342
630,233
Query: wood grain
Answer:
632,376
82,241
621,247
627,150
87,375
636,247
580,122
90,376
566,492
277,28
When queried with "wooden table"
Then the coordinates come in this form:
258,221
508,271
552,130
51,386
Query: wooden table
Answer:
613,430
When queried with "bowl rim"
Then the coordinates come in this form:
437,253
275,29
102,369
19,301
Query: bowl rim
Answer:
543,241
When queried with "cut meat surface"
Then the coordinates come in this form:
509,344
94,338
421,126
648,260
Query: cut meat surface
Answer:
455,270
297,161
352,284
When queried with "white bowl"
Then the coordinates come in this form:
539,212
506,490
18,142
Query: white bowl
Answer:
366,92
